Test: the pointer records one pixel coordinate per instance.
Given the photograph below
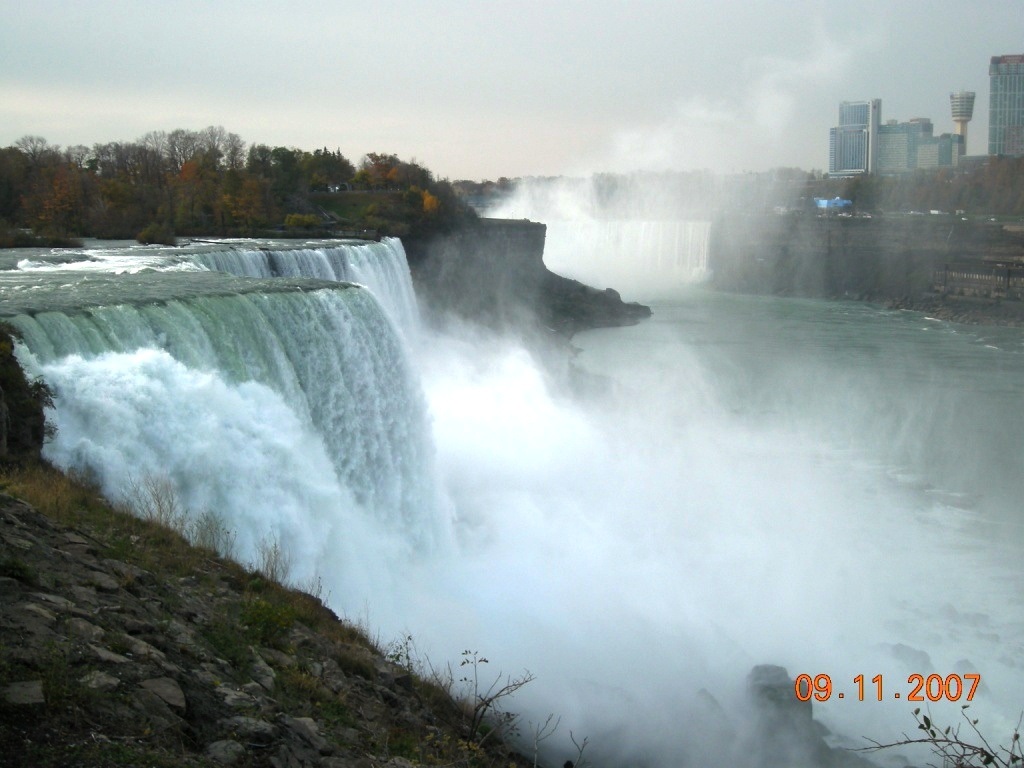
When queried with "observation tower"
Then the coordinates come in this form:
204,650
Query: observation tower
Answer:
962,104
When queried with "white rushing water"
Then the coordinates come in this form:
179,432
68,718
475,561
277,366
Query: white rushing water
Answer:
292,414
380,266
825,486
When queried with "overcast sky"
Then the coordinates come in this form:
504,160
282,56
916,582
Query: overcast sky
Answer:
478,89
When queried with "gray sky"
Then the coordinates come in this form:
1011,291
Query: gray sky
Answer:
482,89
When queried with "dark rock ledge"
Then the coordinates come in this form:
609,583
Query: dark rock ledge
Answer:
493,272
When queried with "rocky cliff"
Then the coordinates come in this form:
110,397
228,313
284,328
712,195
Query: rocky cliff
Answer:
876,259
22,423
493,271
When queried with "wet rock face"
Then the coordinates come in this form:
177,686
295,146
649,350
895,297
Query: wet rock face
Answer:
774,695
784,733
22,403
5,424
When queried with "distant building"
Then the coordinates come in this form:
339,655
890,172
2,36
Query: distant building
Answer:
942,151
1006,105
961,104
909,146
853,143
898,144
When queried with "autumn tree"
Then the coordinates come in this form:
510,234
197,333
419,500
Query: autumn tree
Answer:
379,169
199,203
204,181
250,204
54,204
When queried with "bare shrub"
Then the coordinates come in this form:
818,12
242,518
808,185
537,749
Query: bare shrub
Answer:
209,531
273,562
972,750
154,498
487,715
314,587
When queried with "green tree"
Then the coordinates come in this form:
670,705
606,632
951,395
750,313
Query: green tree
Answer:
323,169
14,171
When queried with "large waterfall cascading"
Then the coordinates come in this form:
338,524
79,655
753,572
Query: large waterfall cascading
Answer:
323,361
380,266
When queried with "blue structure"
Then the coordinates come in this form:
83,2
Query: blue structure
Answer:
835,204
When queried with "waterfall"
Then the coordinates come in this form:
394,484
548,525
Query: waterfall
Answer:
640,258
381,267
728,499
276,401
644,239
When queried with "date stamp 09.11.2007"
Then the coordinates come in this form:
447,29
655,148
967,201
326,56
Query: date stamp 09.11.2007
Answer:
918,688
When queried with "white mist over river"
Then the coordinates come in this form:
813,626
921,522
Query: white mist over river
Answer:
826,486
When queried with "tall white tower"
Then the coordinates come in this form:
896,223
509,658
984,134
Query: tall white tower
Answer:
962,104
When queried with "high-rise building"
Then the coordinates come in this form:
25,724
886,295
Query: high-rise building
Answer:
1006,105
853,144
940,151
913,145
962,105
898,144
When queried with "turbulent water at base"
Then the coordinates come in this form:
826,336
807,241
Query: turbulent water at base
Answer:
827,486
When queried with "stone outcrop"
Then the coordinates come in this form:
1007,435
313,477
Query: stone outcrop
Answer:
22,420
493,271
785,733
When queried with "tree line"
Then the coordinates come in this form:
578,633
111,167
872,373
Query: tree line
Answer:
209,182
995,187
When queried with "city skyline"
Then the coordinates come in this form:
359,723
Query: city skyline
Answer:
475,90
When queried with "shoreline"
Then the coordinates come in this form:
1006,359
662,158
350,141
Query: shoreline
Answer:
966,310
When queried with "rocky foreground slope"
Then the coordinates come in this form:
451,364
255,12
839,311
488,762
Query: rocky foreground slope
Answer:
120,645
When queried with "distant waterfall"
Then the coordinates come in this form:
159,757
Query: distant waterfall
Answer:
641,259
265,403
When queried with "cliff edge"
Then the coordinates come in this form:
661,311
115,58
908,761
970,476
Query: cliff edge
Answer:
492,271
910,261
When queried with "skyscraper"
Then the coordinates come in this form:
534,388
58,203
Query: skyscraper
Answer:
853,144
1006,105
